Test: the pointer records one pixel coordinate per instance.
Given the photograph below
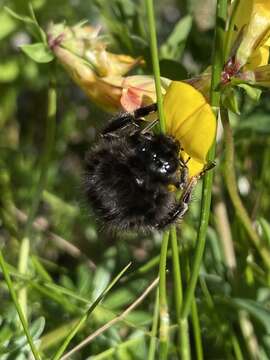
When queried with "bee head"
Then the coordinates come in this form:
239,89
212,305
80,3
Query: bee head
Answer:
157,153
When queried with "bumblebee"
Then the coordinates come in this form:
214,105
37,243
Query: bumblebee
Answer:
129,171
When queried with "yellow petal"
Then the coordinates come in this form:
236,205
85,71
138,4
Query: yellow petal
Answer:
194,166
190,119
256,32
259,58
242,17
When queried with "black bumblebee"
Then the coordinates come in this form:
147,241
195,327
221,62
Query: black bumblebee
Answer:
128,174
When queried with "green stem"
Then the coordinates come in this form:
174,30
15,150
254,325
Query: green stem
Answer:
163,307
48,147
177,283
218,62
197,330
18,307
230,31
185,344
176,272
231,184
236,347
153,340
22,268
155,62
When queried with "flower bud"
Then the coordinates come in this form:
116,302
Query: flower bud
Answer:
86,43
258,77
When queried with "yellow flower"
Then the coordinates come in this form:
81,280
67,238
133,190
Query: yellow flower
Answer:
252,23
111,93
257,77
85,42
98,72
190,119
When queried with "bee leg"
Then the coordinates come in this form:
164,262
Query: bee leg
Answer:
144,111
180,209
210,165
177,214
119,123
149,126
129,118
183,179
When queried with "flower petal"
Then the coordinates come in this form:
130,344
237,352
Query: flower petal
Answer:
85,42
139,90
259,58
194,166
190,119
253,18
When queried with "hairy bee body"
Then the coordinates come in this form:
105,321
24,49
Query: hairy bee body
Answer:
127,178
129,171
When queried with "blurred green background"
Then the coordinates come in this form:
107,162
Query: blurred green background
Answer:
67,247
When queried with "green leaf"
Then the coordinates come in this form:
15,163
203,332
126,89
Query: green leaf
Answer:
20,341
100,281
39,31
7,25
35,29
255,309
251,91
23,18
118,299
230,100
38,52
175,43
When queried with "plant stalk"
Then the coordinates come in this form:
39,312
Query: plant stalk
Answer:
163,306
231,184
218,62
155,62
18,307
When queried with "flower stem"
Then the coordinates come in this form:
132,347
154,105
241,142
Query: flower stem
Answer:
230,31
176,272
197,330
177,284
231,184
218,62
18,307
185,344
155,62
153,340
163,307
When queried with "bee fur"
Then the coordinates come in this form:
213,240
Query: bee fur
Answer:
128,173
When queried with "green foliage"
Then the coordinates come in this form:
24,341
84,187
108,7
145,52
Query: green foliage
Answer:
71,262
38,52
